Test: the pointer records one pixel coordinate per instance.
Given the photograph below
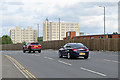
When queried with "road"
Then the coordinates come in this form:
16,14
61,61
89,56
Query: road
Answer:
47,64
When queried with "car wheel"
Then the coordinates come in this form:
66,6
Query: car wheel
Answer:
29,51
85,57
39,51
23,51
60,55
69,56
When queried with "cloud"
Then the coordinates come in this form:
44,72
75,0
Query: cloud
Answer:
13,3
87,14
5,30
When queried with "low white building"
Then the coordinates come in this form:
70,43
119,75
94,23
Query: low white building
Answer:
19,35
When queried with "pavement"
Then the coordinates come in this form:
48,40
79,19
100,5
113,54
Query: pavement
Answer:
47,64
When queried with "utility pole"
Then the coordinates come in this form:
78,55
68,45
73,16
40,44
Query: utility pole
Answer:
104,25
38,32
104,20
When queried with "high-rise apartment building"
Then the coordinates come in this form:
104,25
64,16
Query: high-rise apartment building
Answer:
20,35
51,30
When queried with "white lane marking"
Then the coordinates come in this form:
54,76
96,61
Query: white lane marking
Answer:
89,57
92,71
49,58
32,54
115,61
37,55
65,63
18,68
107,60
111,60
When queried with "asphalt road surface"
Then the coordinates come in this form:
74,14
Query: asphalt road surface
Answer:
47,64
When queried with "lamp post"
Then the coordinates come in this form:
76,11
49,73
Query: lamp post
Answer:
104,20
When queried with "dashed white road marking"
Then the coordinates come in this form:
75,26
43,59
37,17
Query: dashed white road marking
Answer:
89,57
111,60
115,61
101,74
49,58
65,63
32,54
107,60
36,55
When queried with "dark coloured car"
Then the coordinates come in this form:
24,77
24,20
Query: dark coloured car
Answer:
73,50
34,46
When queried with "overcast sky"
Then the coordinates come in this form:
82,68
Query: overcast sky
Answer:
89,15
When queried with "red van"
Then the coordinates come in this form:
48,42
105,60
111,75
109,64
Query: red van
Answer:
33,46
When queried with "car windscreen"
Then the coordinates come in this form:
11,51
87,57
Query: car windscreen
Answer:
35,44
76,45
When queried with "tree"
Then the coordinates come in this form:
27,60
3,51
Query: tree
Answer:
115,32
23,42
6,39
40,39
0,40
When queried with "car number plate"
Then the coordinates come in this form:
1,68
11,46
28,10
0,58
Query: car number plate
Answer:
81,53
35,46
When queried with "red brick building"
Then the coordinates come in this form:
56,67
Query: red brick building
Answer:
72,35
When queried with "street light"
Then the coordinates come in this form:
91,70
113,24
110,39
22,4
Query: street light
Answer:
104,20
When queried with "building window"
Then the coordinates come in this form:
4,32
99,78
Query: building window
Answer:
100,37
109,36
84,37
73,37
92,37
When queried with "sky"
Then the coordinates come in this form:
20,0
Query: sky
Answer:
29,13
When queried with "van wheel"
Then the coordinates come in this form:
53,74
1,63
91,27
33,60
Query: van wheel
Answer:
24,51
39,51
29,51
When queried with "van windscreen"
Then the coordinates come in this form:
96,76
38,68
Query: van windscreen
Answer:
35,44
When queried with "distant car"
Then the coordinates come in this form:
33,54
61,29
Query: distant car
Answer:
33,46
72,50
